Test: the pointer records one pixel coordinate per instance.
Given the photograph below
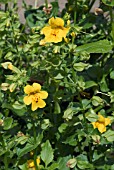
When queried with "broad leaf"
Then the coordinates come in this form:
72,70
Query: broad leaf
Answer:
102,46
47,153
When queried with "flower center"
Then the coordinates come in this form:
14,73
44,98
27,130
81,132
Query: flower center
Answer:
36,97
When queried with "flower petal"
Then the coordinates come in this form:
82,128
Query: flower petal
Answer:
101,127
28,89
41,103
56,22
107,121
27,100
43,94
37,87
34,105
94,124
46,30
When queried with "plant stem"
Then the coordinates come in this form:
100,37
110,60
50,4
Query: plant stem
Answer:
112,22
75,12
35,152
5,162
35,3
46,3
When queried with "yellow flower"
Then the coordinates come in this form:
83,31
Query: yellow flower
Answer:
56,31
101,123
30,163
35,96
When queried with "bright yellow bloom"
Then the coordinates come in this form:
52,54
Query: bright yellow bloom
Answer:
35,96
101,123
56,31
30,163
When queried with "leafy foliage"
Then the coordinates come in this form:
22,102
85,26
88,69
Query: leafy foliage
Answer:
77,73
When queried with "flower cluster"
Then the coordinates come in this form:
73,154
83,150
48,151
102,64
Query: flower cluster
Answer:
35,96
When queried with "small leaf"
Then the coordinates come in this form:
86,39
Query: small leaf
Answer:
91,115
109,135
47,153
53,166
57,108
89,84
62,161
80,66
112,75
8,123
96,100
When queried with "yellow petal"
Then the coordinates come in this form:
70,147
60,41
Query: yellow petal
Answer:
46,30
30,163
38,161
107,121
41,103
94,124
34,105
56,22
27,100
37,87
43,94
28,89
101,127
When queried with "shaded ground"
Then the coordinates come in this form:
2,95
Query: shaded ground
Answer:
40,2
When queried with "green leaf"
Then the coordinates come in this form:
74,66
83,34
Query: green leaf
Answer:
62,127
29,146
103,84
89,84
109,135
85,104
111,94
102,46
108,2
112,75
62,161
57,108
96,156
18,105
83,163
96,100
23,167
8,123
53,166
91,115
80,66
47,153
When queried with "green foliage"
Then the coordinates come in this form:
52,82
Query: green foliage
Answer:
77,73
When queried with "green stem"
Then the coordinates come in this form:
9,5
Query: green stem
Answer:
75,12
35,3
6,7
46,3
112,22
5,162
35,151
